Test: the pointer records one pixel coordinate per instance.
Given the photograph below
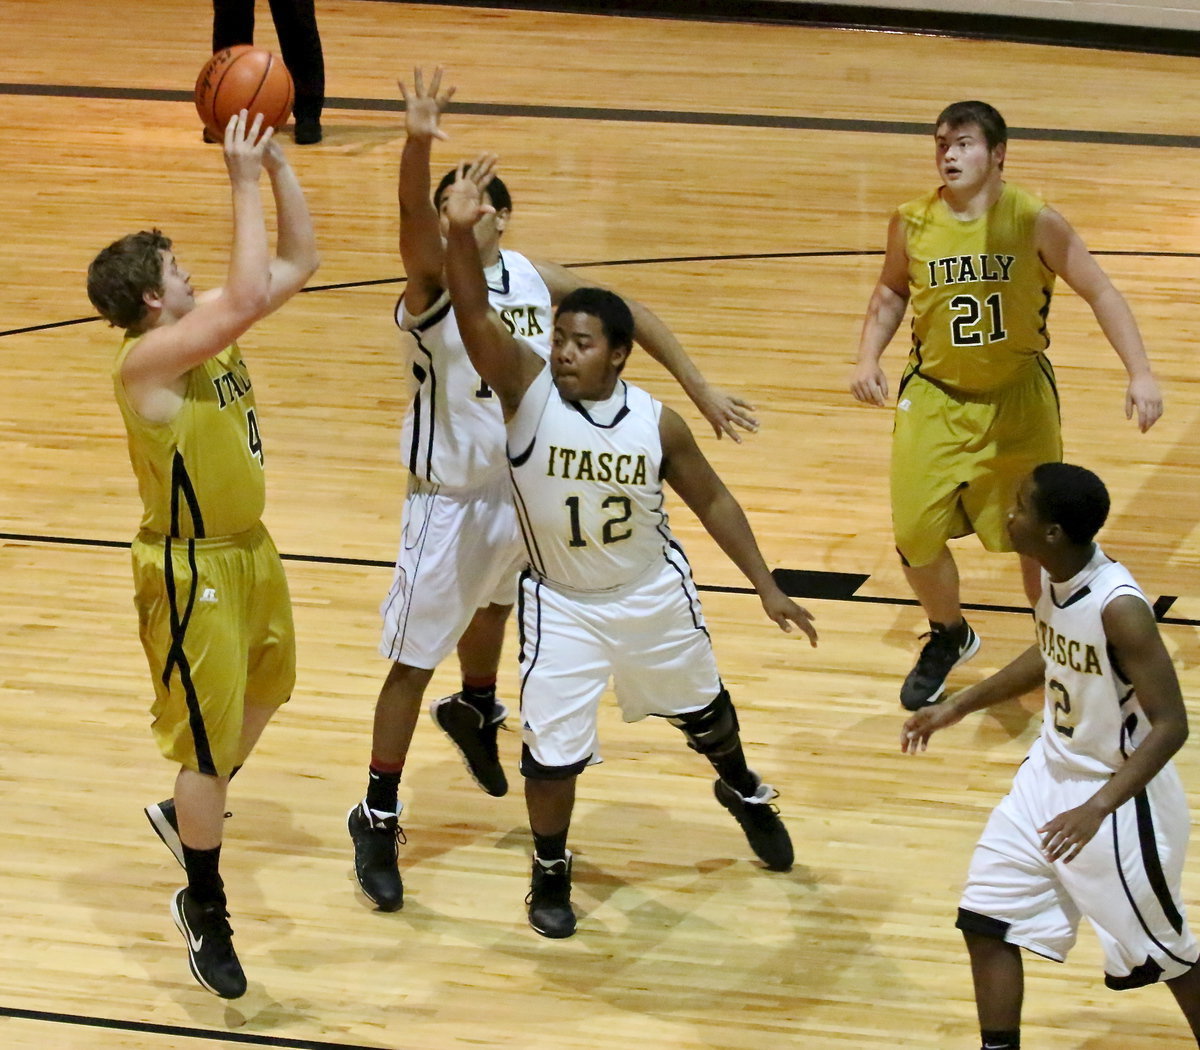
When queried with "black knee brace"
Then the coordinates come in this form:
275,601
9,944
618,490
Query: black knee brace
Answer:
711,730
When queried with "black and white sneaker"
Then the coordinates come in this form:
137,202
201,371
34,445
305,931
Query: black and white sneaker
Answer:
166,826
376,837
759,819
549,899
474,738
943,652
209,937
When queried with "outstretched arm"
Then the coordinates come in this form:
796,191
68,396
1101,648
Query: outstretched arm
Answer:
166,353
1133,636
420,227
296,258
505,364
1026,672
1063,250
724,412
885,311
689,473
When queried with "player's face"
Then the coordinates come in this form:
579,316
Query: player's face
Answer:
584,366
963,159
1025,527
177,296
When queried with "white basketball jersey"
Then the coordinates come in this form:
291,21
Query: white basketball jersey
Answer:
587,488
453,433
1092,720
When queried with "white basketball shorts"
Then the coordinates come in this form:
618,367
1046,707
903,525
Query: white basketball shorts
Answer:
1125,882
460,550
649,639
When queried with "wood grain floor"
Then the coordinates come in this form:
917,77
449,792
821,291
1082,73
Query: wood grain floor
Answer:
715,172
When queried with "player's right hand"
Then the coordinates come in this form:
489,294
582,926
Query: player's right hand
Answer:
869,385
423,109
245,142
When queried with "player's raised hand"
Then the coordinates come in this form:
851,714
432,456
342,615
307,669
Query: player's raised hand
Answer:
245,143
1144,395
785,612
423,108
915,734
725,413
869,384
465,203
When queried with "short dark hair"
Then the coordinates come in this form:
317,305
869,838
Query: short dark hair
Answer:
988,118
496,190
607,307
123,272
1071,497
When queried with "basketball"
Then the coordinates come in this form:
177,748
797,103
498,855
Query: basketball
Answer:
243,77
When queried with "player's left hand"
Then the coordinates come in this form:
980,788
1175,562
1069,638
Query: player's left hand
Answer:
785,612
724,412
1144,395
465,202
1065,835
916,731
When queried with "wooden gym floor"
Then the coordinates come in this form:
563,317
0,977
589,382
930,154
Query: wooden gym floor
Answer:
738,179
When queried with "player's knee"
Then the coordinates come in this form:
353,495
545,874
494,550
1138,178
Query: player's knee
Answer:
532,769
711,730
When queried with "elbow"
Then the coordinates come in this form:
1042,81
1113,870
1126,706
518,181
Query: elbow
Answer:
312,264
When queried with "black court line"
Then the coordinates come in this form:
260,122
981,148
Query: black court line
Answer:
641,116
830,253
209,1034
803,584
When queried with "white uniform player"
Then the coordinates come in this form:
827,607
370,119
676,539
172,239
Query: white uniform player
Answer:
460,548
609,591
1126,880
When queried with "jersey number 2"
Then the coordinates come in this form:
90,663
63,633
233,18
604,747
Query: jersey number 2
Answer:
1064,718
965,329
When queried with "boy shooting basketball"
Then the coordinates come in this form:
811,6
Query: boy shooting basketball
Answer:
213,607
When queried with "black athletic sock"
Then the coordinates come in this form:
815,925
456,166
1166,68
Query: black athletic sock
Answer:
205,885
383,790
481,695
551,847
956,631
731,767
1001,1040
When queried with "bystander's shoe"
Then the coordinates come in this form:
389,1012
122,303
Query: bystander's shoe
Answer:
943,652
475,739
209,937
376,837
308,131
549,899
759,819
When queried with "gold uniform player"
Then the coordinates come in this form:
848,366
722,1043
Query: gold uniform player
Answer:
977,407
213,608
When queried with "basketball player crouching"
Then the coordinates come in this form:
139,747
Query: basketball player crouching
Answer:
1096,822
608,591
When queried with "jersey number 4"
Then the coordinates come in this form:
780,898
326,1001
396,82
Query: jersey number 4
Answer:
252,436
968,327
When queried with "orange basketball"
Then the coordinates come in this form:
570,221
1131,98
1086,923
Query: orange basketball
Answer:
243,77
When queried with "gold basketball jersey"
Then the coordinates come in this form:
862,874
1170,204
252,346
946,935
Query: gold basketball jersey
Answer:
201,474
980,291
